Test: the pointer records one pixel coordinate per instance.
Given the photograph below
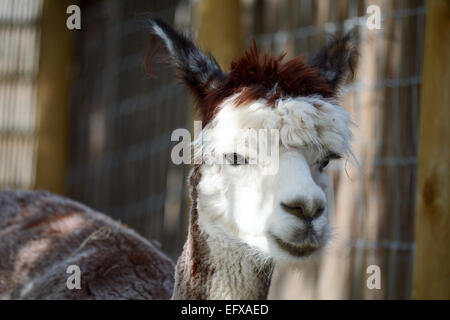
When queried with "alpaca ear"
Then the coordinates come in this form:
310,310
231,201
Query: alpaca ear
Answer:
337,60
197,70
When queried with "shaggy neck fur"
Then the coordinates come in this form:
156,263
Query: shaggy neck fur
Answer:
215,267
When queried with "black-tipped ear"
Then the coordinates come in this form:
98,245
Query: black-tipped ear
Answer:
198,70
338,59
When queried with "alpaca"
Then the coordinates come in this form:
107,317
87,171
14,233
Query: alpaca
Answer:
244,219
42,234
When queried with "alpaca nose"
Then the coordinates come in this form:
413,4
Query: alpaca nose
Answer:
304,210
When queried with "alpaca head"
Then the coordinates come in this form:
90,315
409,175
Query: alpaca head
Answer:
269,130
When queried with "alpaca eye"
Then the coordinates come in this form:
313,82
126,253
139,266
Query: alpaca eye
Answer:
326,160
235,159
323,164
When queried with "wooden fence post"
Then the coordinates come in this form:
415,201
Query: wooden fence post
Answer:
220,29
432,235
53,96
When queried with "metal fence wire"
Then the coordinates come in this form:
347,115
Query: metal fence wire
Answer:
121,122
371,206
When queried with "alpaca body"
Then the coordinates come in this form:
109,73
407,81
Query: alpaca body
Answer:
42,234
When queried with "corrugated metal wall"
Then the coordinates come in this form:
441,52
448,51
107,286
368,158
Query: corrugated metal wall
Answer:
19,61
371,206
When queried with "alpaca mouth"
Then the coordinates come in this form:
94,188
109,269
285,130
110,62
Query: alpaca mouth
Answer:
297,250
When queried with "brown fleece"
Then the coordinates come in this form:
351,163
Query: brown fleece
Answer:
41,234
193,269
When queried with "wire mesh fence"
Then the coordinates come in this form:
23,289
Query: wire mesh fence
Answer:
121,123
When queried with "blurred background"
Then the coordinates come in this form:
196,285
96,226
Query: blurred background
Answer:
80,117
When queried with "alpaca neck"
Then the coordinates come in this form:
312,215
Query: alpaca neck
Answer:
217,268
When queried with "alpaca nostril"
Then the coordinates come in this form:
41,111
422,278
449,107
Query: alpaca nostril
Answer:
318,212
298,210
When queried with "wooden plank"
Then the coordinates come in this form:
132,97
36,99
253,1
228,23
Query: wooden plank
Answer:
432,260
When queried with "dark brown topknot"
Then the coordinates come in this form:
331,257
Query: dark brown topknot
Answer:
257,76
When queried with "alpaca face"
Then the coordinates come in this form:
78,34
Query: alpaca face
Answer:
276,205
280,213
